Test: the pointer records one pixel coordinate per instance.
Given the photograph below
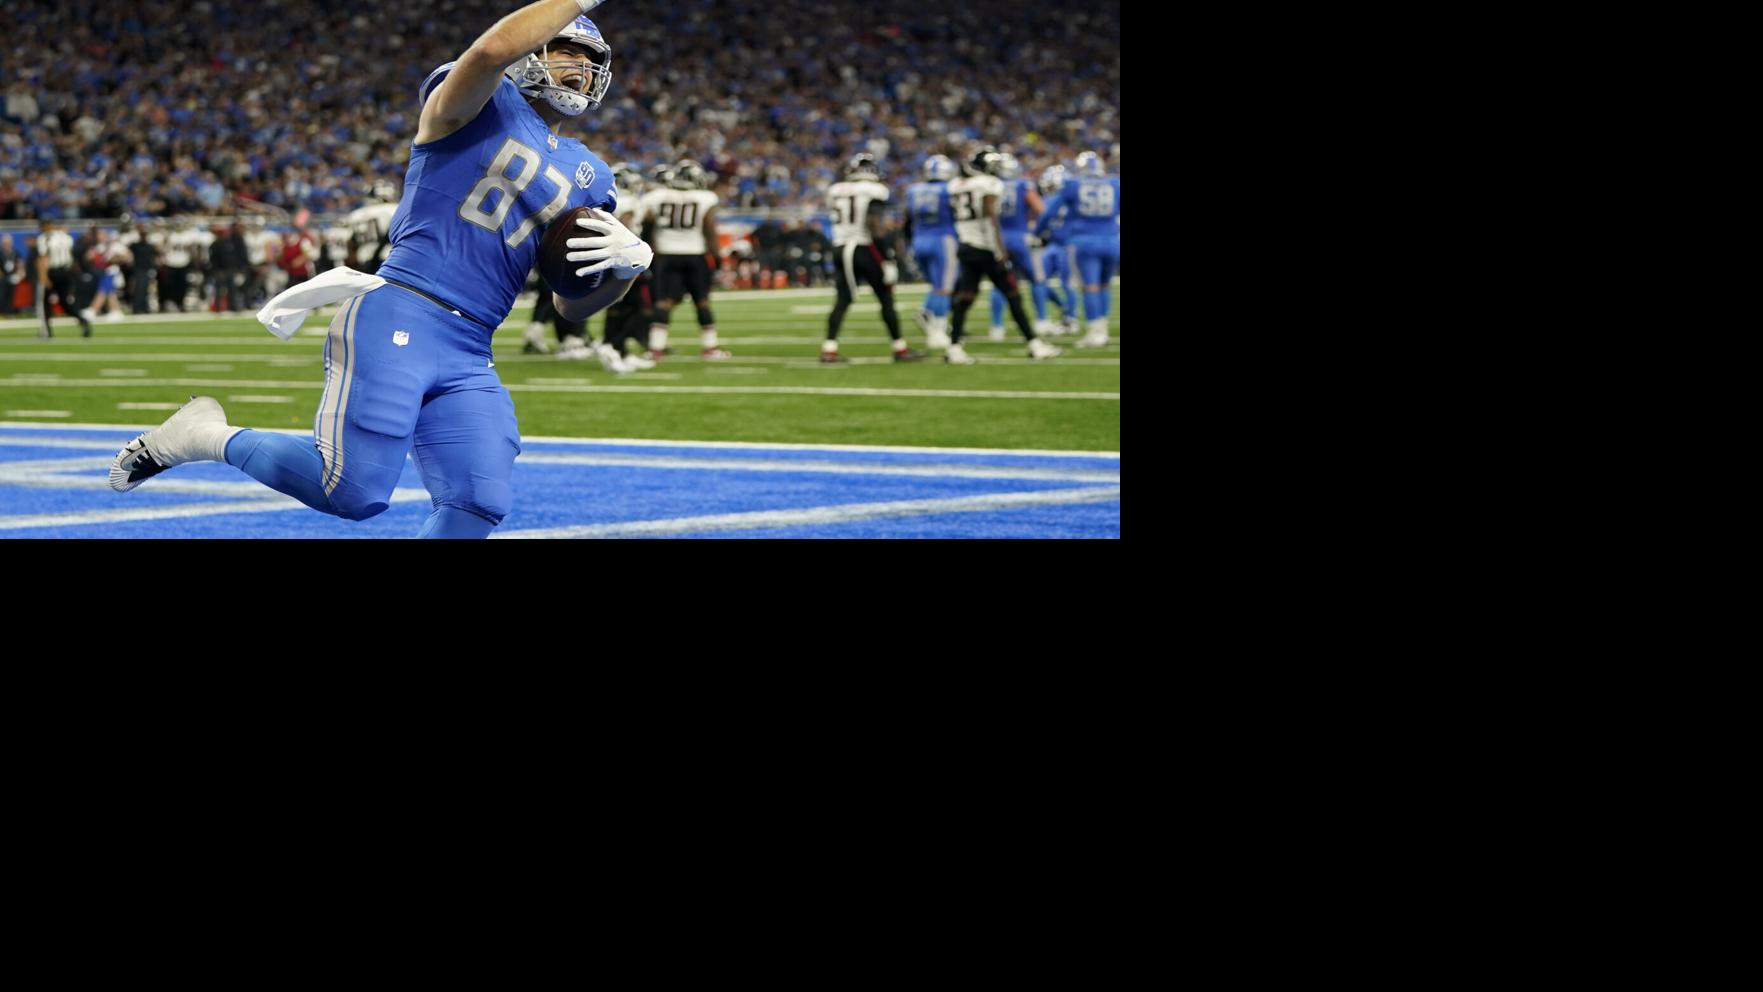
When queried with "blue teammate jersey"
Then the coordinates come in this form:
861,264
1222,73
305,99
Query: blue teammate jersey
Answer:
1092,208
928,206
1013,208
476,203
1054,225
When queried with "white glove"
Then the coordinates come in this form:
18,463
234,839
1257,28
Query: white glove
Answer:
615,249
890,273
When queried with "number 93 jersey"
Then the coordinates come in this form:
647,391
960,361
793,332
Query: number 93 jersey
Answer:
476,203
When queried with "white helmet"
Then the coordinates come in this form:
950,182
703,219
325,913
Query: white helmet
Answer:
1052,178
1090,164
1008,167
535,74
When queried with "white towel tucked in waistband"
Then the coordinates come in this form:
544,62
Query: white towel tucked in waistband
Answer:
284,314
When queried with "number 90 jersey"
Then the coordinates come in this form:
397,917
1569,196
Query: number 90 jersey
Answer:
476,203
849,202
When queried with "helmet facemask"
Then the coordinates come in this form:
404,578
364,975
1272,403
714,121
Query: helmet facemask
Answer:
541,74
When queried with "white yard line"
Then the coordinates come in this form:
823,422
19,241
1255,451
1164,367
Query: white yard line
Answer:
646,442
818,515
516,387
945,471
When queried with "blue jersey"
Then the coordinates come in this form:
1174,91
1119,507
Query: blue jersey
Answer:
1092,208
476,203
928,206
1013,207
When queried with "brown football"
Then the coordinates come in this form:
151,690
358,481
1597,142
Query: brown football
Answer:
558,271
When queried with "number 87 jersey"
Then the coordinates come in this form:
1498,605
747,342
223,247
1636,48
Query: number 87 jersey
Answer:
476,203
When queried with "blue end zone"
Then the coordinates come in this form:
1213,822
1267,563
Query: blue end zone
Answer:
52,485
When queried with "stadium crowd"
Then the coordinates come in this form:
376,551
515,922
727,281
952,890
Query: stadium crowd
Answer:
154,109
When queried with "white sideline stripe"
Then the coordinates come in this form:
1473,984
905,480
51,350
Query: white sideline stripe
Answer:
148,406
260,399
39,413
517,387
524,301
121,372
809,516
810,359
314,357
76,444
83,473
94,344
143,318
229,368
827,468
111,356
91,473
273,502
86,472
640,441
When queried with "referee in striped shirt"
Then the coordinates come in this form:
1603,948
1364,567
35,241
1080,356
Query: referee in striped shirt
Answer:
57,273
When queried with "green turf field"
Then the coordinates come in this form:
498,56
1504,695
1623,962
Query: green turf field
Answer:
774,390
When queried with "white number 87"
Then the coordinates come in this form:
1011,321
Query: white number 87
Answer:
496,178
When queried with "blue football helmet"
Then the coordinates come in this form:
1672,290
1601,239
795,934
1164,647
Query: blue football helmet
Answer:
940,169
1090,164
539,74
1052,178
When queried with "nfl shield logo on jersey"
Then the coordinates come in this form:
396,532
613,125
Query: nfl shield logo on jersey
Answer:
584,175
400,338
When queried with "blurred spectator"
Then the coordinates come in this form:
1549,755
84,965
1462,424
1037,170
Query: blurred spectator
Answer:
158,108
144,255
298,256
228,263
11,274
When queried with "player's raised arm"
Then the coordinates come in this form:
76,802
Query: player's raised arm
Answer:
1051,211
477,73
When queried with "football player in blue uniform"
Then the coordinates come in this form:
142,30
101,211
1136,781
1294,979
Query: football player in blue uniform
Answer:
1055,254
930,222
1019,205
408,365
1092,201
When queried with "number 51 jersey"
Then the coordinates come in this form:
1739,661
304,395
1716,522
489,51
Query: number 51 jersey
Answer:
476,203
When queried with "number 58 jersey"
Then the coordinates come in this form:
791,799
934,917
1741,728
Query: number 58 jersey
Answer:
1092,207
476,203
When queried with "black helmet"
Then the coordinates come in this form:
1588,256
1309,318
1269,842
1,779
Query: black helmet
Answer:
862,166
